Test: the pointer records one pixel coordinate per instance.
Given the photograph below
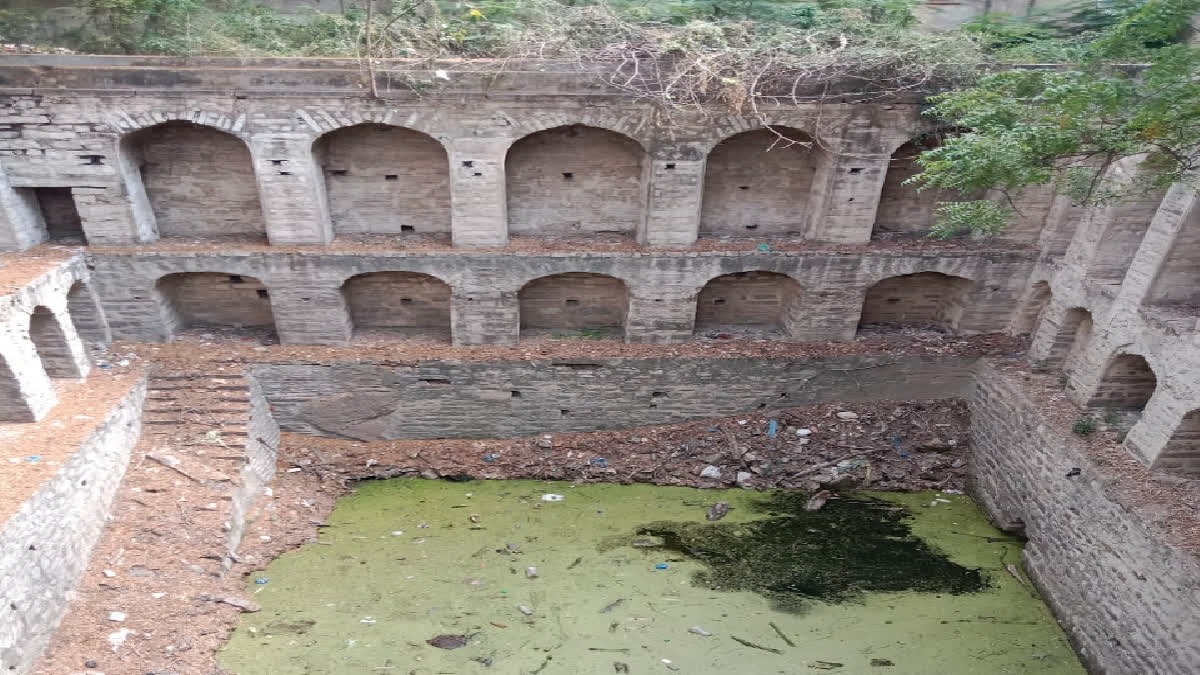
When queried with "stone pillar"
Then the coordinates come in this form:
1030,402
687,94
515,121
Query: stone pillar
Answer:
478,201
58,345
660,317
26,394
845,197
827,314
484,317
21,224
673,206
292,190
311,316
109,216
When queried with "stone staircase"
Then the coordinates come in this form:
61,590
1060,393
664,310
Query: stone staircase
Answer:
183,409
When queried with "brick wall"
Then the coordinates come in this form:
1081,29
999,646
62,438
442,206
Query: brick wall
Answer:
758,185
213,299
402,302
1125,596
575,180
381,178
199,181
901,207
372,401
573,301
1127,384
765,299
925,299
45,546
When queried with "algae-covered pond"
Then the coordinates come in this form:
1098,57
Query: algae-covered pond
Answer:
634,579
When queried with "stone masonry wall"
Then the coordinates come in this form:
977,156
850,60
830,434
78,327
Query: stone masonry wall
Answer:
45,546
309,307
262,446
452,399
1128,599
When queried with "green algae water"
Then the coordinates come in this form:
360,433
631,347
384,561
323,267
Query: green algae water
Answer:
427,577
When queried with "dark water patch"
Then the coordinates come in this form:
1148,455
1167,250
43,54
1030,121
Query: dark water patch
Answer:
848,547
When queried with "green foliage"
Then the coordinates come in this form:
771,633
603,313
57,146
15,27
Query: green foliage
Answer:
1084,425
1070,125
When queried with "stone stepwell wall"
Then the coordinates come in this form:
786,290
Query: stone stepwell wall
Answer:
262,445
45,546
505,399
1129,600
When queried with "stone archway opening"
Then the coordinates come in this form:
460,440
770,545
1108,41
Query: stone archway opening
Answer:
921,301
384,179
217,306
759,184
87,316
903,210
1126,387
199,181
574,305
748,304
398,306
576,181
1031,310
52,345
1070,338
1182,451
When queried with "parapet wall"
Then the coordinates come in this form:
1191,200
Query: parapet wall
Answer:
46,545
507,399
1127,598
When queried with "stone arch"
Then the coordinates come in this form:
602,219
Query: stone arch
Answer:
52,344
215,301
902,209
1182,451
403,305
576,180
752,301
1035,303
1127,384
382,178
759,183
930,300
87,315
574,302
1071,336
199,181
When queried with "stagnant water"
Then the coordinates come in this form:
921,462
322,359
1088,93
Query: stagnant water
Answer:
633,578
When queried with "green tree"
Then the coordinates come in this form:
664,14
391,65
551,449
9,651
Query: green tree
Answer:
1068,126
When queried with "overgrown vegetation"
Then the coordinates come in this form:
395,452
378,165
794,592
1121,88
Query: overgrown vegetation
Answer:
1118,119
1119,116
1084,425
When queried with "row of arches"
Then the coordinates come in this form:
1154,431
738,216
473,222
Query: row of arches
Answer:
50,333
416,306
572,180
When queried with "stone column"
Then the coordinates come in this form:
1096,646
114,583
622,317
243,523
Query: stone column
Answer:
311,316
673,205
21,223
109,216
478,201
660,317
26,394
845,197
826,314
484,317
292,189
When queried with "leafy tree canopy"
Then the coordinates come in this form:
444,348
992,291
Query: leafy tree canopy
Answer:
1130,96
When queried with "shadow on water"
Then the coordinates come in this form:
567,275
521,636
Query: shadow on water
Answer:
792,555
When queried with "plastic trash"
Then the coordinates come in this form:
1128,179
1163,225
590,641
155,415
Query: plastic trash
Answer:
549,497
525,610
261,580
772,428
599,461
661,566
699,631
491,457
764,247
531,572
